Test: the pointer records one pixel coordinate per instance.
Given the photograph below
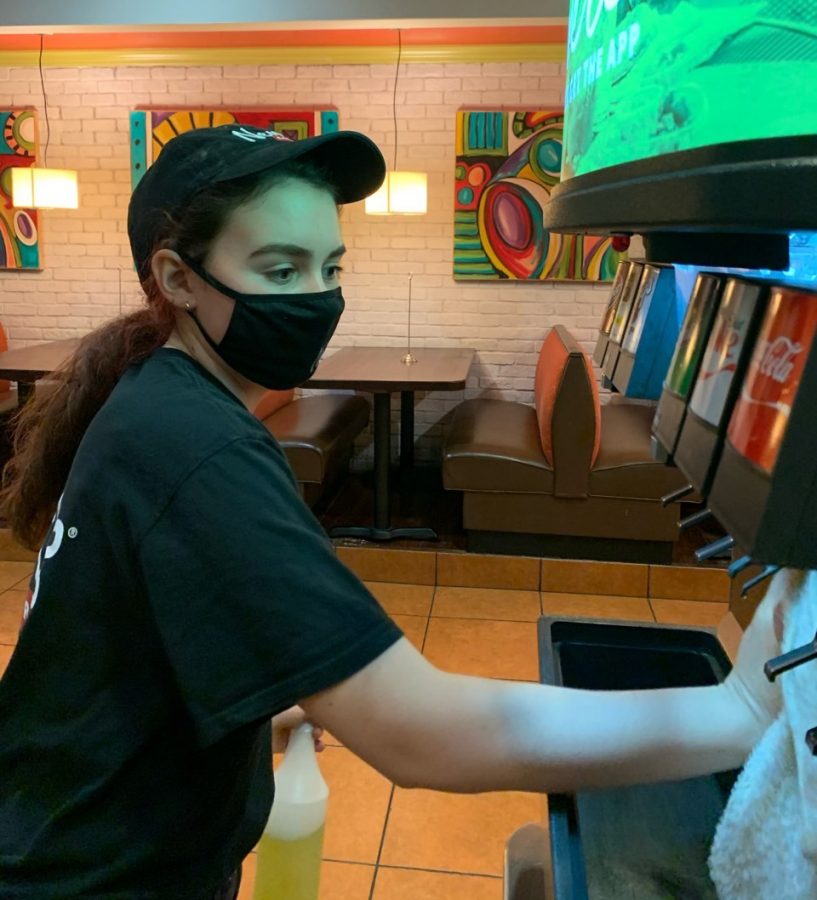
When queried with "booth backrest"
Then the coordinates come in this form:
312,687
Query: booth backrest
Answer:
271,402
566,398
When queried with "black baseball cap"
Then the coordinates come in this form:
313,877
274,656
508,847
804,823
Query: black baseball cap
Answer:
196,159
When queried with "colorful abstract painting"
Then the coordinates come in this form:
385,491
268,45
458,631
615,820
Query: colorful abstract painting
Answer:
19,228
150,130
507,165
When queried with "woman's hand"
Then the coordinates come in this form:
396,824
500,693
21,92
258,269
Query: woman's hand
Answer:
760,698
282,726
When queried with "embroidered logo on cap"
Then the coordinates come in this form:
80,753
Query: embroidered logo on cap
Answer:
253,136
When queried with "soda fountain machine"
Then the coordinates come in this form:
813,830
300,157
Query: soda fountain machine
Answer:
662,139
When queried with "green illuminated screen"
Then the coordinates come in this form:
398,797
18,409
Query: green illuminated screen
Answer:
648,77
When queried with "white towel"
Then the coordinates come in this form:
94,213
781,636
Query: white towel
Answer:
765,845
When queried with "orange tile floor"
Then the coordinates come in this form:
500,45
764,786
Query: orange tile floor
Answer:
386,843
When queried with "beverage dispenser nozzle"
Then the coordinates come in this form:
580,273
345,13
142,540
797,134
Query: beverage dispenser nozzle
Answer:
675,496
695,519
767,572
739,565
716,548
790,660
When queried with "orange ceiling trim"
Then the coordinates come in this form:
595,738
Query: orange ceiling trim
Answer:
374,37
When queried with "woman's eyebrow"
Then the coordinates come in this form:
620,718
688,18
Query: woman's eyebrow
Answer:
293,250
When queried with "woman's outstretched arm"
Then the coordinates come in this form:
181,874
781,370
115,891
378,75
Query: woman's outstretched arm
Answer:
422,727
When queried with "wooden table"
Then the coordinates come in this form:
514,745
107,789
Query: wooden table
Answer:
380,370
29,364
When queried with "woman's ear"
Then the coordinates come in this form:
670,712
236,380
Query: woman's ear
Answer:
173,278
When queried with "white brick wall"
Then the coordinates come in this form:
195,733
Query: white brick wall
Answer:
86,254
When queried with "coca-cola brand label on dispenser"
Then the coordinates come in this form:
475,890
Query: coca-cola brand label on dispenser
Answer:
762,411
723,350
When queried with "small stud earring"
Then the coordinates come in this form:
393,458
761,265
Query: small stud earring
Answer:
187,305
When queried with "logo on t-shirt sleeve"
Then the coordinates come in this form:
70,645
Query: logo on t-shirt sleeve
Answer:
49,549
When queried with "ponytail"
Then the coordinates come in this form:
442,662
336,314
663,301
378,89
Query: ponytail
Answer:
49,428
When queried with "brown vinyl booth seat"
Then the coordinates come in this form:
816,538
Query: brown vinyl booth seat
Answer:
317,434
565,477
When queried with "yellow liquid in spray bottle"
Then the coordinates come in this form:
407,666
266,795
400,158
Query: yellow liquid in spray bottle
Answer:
288,859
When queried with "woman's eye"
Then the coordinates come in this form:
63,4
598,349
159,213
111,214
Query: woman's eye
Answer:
333,272
281,276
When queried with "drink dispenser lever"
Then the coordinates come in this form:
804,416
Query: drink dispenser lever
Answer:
694,519
716,548
767,572
790,660
675,496
736,567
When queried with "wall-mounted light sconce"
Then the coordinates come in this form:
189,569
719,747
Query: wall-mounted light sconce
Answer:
402,193
38,187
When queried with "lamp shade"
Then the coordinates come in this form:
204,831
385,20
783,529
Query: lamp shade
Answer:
37,188
377,204
402,193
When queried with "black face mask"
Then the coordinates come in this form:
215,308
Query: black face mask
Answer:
275,340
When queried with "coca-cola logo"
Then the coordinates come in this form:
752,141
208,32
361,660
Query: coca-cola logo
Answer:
777,358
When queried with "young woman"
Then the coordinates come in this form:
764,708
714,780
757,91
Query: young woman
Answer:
184,594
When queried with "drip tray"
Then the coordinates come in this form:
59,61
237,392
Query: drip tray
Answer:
648,842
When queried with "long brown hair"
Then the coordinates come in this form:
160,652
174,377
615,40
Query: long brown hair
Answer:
49,428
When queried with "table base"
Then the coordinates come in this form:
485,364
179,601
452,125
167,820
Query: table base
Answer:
390,533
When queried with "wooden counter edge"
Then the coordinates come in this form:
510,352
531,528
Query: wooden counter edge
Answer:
729,633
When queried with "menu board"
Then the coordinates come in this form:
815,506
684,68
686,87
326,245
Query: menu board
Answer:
694,333
723,350
615,296
762,411
625,304
650,77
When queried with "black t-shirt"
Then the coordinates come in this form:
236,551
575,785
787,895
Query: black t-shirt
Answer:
184,594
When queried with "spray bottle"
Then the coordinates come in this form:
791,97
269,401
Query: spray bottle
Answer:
288,859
